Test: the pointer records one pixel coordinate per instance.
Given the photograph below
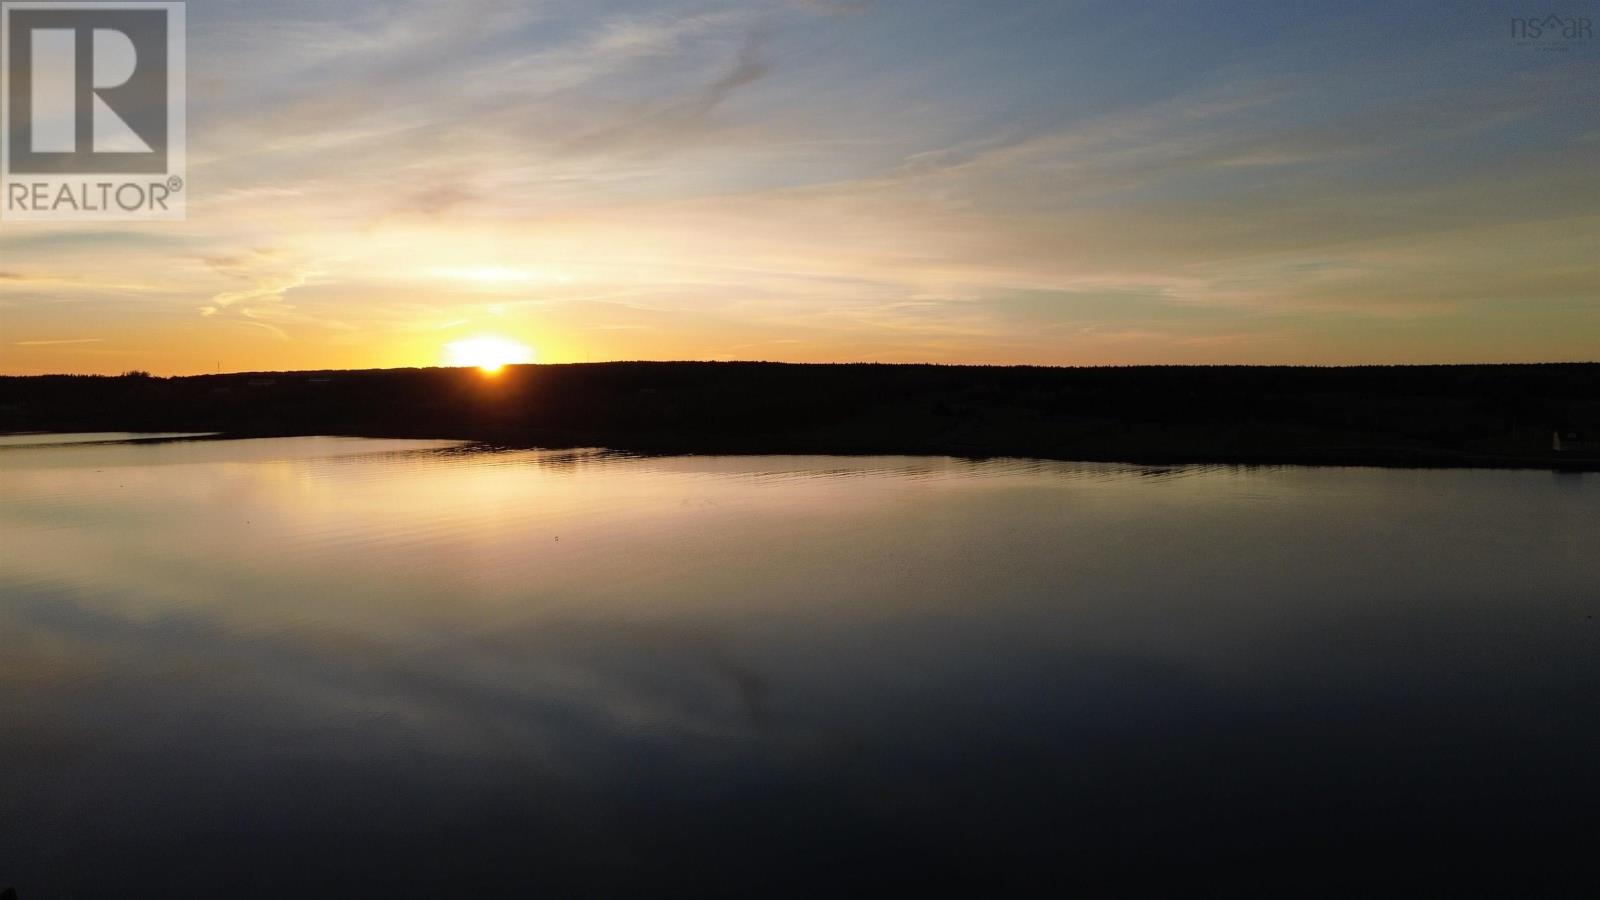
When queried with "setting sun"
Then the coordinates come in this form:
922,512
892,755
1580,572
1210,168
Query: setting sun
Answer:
489,354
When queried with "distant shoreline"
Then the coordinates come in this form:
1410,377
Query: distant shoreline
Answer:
1476,416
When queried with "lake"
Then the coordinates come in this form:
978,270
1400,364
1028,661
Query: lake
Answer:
341,667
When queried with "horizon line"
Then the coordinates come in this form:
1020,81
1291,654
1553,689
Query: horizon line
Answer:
761,362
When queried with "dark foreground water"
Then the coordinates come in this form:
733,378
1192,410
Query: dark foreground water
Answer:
337,667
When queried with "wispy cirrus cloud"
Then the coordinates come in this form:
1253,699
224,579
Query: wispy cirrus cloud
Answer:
1042,182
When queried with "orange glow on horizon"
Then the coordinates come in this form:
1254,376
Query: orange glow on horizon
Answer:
489,354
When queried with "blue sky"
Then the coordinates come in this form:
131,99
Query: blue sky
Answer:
1009,182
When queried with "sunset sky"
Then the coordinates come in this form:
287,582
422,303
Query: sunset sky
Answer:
980,181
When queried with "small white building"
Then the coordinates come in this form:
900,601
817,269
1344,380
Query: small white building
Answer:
1568,440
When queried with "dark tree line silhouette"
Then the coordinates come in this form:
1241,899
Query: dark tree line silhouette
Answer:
1392,415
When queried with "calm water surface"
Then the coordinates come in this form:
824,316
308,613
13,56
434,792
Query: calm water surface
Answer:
339,667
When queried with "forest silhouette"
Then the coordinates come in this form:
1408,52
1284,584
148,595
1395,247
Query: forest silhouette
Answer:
1459,415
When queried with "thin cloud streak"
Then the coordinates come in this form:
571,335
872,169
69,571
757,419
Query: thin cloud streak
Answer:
840,180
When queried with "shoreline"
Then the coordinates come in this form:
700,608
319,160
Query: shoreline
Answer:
1353,459
1490,417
